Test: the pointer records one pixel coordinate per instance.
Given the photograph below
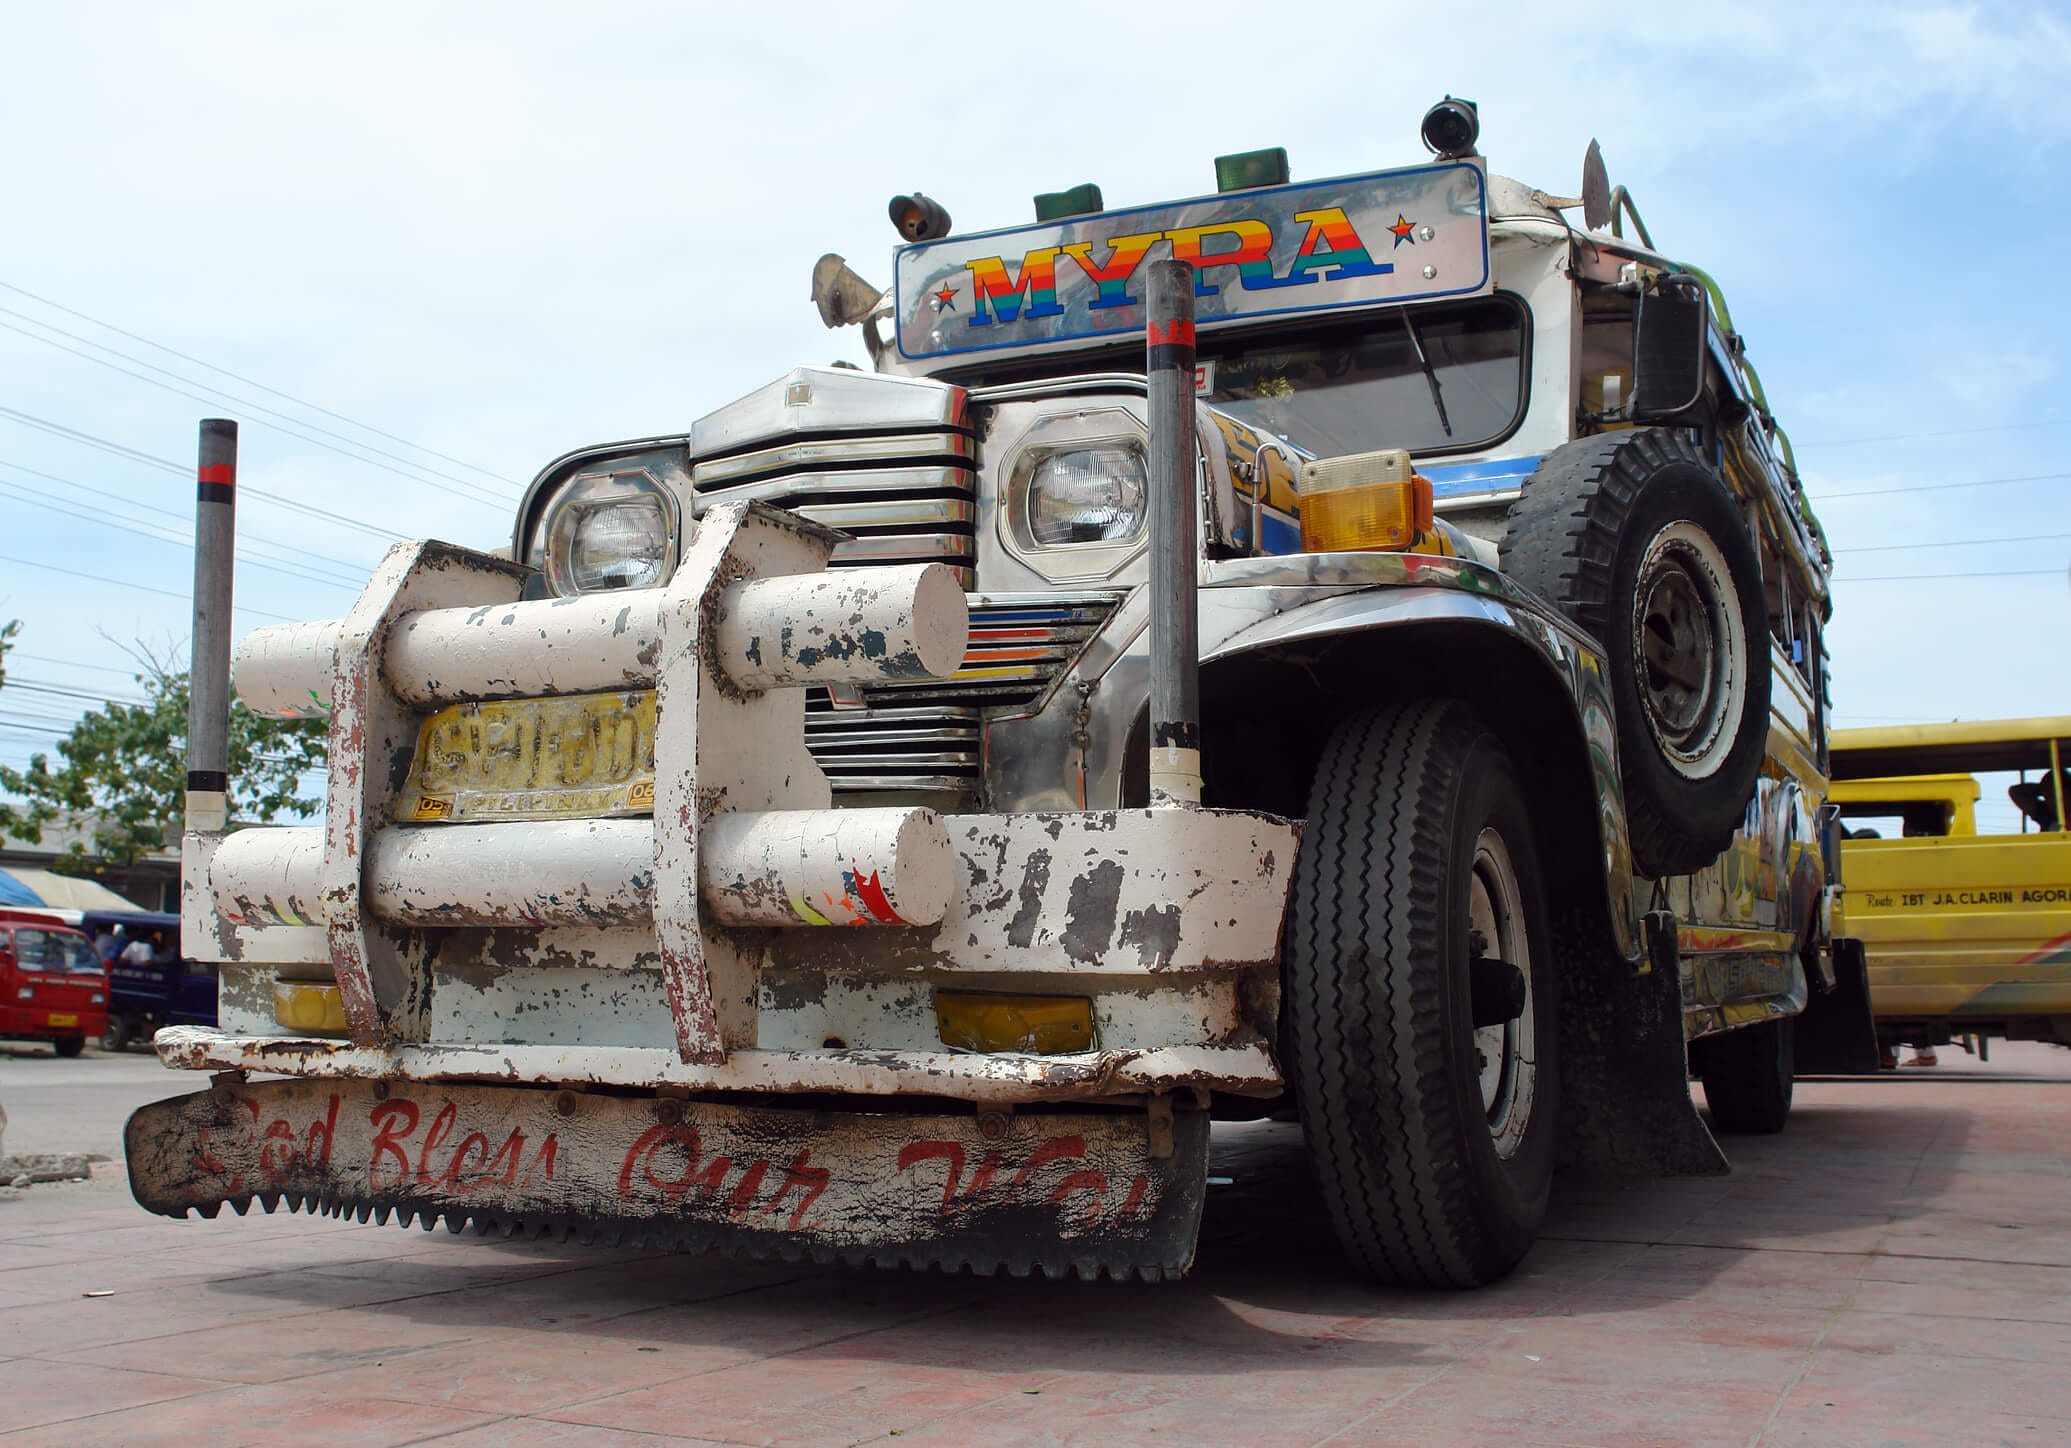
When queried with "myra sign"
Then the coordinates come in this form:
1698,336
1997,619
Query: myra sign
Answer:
1397,236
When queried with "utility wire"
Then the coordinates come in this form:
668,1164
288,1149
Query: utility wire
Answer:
249,382
137,587
1938,487
132,670
1993,576
187,519
1918,436
53,686
1952,543
168,465
303,572
471,492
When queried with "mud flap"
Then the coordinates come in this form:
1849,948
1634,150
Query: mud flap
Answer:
1836,1035
1625,1074
1024,1192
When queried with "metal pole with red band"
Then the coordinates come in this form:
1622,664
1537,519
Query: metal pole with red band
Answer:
208,684
1175,547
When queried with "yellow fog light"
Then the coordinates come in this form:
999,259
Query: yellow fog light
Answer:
1036,1025
308,1009
1363,502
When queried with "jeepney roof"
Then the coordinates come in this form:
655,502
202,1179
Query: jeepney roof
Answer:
1961,747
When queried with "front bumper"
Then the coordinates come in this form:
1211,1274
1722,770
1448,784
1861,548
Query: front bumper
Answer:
1112,1193
744,936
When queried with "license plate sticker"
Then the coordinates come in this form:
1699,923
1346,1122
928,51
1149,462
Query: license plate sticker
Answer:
60,1018
583,756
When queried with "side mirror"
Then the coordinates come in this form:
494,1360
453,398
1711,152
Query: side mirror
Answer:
1668,349
842,296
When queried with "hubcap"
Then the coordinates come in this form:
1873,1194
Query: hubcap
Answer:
1495,921
1689,648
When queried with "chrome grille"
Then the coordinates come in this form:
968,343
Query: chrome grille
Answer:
910,497
926,737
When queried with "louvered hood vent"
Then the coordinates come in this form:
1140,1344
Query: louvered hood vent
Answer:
889,460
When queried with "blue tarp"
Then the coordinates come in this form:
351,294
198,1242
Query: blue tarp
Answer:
14,892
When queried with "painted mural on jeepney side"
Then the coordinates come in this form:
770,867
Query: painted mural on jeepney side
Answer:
1770,876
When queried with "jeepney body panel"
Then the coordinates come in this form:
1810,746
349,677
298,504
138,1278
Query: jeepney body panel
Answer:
1964,932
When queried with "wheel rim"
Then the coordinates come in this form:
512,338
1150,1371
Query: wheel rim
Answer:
1689,649
1507,1068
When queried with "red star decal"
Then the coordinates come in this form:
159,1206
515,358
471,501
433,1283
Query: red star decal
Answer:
945,300
1402,229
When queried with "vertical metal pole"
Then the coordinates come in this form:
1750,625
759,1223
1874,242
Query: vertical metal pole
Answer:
1175,542
208,680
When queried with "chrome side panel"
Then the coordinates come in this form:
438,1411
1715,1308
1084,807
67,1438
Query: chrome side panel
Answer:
1745,917
1071,755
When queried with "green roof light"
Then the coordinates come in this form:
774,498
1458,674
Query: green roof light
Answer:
1248,169
1079,201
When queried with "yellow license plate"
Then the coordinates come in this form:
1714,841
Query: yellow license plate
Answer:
583,756
60,1018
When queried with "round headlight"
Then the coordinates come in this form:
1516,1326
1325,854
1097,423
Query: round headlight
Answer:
606,531
1088,495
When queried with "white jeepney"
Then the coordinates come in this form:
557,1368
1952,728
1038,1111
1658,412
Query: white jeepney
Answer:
764,854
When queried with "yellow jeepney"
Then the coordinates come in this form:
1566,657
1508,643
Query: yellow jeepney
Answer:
1967,926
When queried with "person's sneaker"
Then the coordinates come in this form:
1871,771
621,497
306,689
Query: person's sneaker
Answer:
1924,1056
1888,1058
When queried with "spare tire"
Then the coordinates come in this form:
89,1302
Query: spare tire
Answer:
1636,539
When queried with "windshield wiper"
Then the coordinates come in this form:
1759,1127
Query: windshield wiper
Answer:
1430,375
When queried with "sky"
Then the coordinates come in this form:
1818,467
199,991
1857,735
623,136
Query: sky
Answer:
491,234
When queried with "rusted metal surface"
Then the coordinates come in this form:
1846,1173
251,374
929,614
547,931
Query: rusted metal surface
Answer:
260,878
283,670
896,623
1084,1191
382,979
791,867
828,867
1139,892
1244,1067
860,625
717,748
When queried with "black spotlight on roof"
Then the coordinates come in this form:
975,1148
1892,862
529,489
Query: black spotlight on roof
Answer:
1451,128
918,218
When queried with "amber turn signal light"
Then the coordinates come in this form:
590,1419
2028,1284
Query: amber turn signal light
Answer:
1363,502
1032,1025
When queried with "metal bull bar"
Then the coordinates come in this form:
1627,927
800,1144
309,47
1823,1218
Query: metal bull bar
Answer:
743,818
736,900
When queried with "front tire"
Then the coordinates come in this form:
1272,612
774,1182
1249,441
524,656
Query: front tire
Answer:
69,1046
1747,1076
115,1035
1433,1140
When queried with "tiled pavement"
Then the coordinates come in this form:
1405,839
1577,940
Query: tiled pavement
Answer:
1895,1269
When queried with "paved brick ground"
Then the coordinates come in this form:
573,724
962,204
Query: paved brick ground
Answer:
1895,1269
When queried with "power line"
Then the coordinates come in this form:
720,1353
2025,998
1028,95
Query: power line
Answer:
1917,436
243,536
1938,487
53,686
470,492
1995,574
132,671
1952,543
237,377
73,434
138,587
304,572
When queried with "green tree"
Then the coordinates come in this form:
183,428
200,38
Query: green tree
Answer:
122,771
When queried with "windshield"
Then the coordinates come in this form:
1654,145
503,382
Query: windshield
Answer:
1427,379
55,950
